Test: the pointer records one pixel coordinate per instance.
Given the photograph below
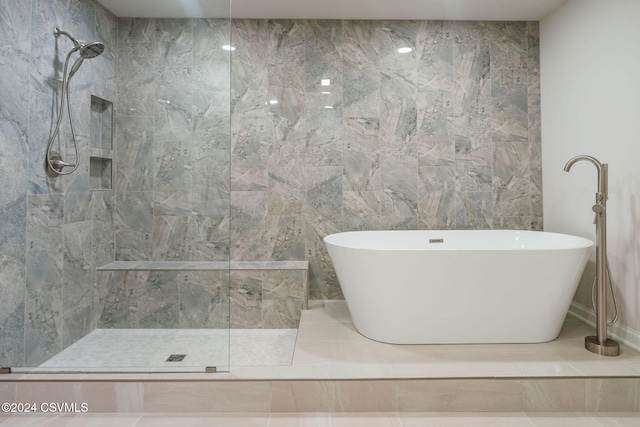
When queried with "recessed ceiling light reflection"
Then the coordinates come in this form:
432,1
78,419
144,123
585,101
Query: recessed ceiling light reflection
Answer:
404,50
325,82
328,107
326,93
228,47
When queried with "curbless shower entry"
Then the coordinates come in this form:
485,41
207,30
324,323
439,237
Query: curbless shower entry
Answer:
147,192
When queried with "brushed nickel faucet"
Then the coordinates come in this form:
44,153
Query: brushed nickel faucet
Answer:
599,343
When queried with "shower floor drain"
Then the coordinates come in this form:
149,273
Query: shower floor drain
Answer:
176,358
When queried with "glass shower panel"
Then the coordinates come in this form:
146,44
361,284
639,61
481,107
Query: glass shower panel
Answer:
127,261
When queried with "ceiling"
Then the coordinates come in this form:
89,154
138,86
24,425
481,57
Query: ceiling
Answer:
477,10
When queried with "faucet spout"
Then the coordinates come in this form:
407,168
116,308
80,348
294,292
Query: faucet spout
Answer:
602,172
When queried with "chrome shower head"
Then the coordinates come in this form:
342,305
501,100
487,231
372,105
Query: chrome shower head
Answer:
87,50
91,50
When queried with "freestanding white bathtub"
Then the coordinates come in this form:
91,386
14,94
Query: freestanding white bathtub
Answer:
458,287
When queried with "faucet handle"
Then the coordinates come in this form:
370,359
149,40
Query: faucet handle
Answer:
598,209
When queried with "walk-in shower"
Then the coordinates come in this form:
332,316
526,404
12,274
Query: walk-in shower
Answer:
54,162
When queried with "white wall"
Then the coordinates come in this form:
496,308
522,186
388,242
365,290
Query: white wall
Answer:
590,86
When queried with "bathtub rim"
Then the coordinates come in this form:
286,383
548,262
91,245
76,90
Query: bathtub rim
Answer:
338,239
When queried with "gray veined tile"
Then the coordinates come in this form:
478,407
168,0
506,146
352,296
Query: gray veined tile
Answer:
174,105
211,116
246,299
473,157
158,301
77,285
435,129
512,179
472,90
436,197
324,129
286,187
286,109
510,106
361,210
399,171
120,296
43,327
474,210
247,230
249,156
434,50
174,42
398,110
12,304
170,238
134,160
76,325
77,206
173,178
16,17
12,348
204,299
81,21
282,284
211,63
392,35
281,314
106,27
209,237
361,154
136,95
323,58
286,237
134,226
324,186
136,30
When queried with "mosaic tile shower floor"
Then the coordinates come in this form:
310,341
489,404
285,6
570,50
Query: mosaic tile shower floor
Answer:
148,349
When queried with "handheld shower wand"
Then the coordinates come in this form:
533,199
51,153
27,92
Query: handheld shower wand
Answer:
54,162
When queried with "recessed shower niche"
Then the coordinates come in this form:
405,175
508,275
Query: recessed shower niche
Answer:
101,123
101,140
100,173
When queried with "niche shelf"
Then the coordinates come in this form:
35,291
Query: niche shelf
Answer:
100,173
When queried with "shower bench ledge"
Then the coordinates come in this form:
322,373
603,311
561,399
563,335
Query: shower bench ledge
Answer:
214,266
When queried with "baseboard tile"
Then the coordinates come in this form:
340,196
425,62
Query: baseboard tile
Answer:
620,333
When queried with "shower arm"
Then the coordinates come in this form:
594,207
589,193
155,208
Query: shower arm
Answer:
76,43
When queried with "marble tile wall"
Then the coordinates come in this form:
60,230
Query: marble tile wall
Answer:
54,230
172,176
172,172
446,136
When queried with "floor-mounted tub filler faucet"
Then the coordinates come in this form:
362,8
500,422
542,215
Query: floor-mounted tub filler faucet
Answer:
600,344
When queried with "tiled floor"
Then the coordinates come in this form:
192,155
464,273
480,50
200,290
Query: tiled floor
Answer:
148,349
580,419
329,348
